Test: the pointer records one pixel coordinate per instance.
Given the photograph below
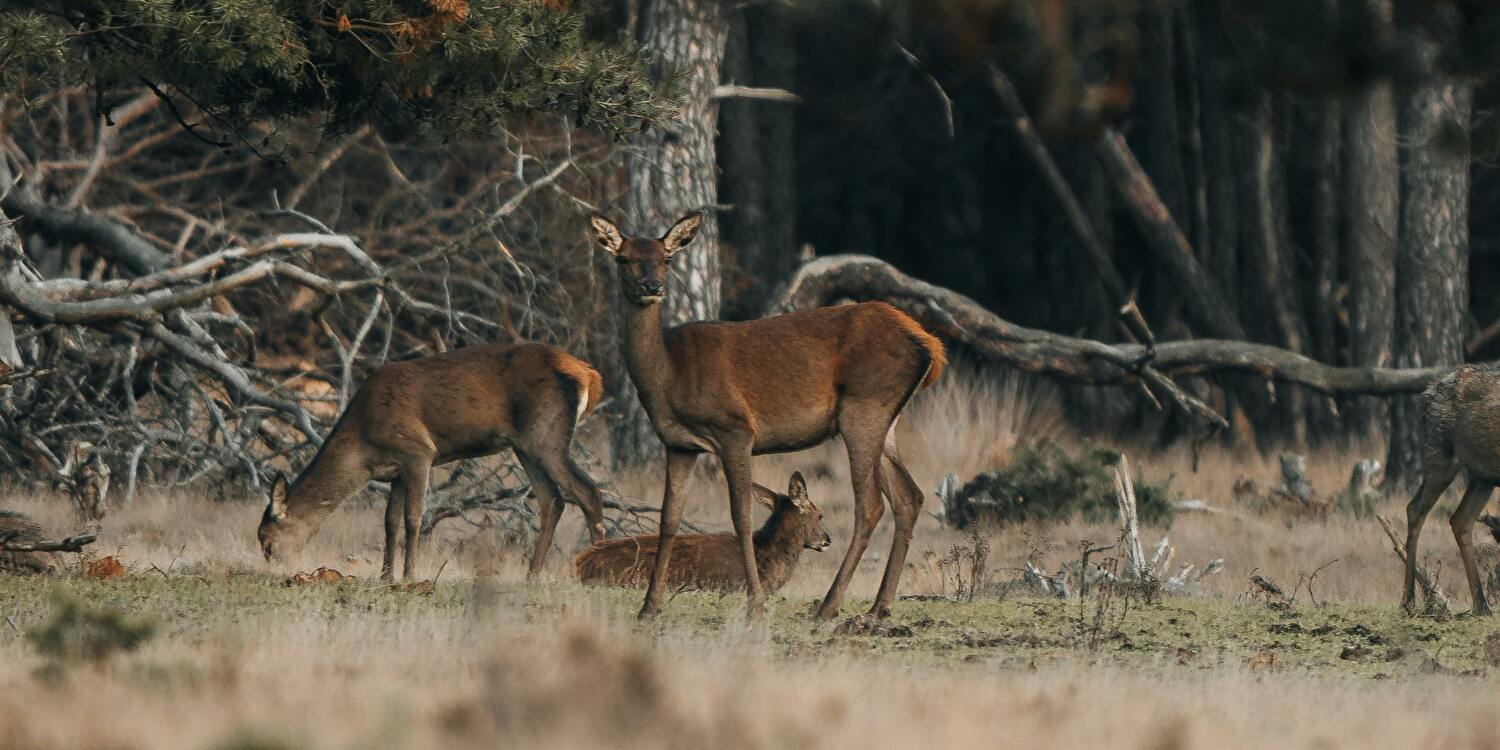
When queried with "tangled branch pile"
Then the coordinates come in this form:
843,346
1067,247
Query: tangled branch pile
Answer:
189,330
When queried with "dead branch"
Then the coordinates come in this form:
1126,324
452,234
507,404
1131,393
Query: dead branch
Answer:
831,279
1435,597
9,543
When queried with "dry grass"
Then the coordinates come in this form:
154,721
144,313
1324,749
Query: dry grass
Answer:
245,661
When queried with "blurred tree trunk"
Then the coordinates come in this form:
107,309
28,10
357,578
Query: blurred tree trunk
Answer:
1372,169
1159,146
673,171
1270,277
1432,290
758,157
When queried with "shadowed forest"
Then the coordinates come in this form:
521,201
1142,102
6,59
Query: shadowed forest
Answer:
1177,275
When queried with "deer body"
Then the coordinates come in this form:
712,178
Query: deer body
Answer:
773,385
409,416
1461,433
712,561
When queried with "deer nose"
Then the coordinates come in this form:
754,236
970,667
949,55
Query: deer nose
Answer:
651,287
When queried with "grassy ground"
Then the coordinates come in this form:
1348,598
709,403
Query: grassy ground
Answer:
240,659
237,659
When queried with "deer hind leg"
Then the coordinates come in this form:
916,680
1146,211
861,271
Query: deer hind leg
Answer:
1475,498
679,466
1436,477
550,506
413,472
394,504
905,498
864,445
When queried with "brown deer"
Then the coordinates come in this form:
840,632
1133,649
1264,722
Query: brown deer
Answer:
712,561
773,385
409,416
1461,432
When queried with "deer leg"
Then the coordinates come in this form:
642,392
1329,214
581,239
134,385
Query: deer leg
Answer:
585,492
550,507
679,466
394,503
1435,479
414,477
905,497
1475,498
864,455
735,457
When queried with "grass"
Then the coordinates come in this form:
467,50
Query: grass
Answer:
246,659
237,659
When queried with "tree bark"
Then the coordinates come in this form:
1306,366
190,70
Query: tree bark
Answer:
1432,292
1204,304
1372,181
671,172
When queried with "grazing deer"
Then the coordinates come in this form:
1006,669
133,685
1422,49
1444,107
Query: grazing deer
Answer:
712,561
773,385
409,416
1461,432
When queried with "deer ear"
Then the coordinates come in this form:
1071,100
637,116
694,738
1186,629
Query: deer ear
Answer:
682,232
796,489
277,511
605,234
764,495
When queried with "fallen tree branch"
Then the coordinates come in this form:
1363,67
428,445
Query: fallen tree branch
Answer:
76,543
828,280
108,237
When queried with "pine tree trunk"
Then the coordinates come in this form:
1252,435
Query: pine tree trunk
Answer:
673,171
1432,290
1372,170
758,156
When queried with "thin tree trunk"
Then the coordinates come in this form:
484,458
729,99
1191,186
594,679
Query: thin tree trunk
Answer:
1432,291
1373,173
671,172
758,158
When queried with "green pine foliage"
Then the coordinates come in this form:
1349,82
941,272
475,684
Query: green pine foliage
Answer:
448,66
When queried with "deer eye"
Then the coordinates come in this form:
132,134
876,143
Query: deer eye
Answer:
621,260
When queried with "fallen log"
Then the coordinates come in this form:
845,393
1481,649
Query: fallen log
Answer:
833,279
74,543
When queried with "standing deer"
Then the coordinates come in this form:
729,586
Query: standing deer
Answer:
1461,431
773,385
409,416
712,561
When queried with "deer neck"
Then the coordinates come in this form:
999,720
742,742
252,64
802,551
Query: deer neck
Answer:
319,489
646,357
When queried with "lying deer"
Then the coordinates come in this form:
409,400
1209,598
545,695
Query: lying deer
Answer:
712,561
409,416
1461,412
773,385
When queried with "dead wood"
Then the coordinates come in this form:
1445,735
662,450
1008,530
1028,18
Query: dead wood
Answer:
833,279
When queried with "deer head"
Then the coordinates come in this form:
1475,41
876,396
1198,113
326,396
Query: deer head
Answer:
799,512
644,262
276,532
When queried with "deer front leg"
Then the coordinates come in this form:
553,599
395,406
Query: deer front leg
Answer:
734,455
679,466
394,503
414,477
1435,479
1475,498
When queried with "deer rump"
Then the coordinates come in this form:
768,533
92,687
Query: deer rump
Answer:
709,562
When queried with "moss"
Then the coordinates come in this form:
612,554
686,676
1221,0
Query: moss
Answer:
1049,484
